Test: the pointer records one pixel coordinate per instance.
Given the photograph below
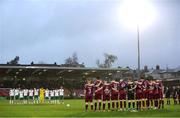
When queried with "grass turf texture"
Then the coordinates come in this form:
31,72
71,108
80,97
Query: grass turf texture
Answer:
76,109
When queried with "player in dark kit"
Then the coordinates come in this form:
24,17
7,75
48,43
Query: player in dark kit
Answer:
98,86
178,94
131,94
88,92
114,94
106,95
139,94
175,94
168,95
122,94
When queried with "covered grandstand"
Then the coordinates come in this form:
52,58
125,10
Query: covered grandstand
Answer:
54,76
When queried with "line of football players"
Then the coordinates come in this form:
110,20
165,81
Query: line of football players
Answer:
123,95
32,96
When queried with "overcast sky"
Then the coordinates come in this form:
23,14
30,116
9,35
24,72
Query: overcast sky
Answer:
51,30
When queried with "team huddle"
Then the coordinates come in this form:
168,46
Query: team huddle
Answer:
124,95
36,96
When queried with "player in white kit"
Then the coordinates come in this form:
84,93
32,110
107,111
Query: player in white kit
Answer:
47,96
25,92
56,96
36,96
30,98
16,95
11,96
52,96
21,96
61,95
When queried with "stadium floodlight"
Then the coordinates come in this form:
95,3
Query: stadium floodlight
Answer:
136,14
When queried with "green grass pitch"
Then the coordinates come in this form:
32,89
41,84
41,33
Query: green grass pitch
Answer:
76,109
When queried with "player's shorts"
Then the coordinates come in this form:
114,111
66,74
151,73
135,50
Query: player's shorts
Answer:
47,98
61,97
161,95
150,96
106,97
36,97
122,95
145,94
11,97
98,96
139,96
52,98
114,96
31,97
56,97
131,96
25,97
17,97
88,98
21,98
156,96
168,95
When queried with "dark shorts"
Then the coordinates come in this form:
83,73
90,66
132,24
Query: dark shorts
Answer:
106,97
145,94
30,97
61,97
17,97
98,96
122,96
11,97
131,96
150,96
156,96
25,97
88,98
36,97
139,96
47,98
114,97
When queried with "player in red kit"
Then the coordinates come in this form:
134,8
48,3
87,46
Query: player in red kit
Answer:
122,94
145,85
150,94
139,94
88,92
114,94
161,92
98,86
106,95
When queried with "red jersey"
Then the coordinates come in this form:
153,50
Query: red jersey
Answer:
122,85
89,90
107,89
139,88
156,88
145,85
114,88
98,87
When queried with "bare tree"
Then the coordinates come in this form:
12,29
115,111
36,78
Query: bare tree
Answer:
72,61
108,61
